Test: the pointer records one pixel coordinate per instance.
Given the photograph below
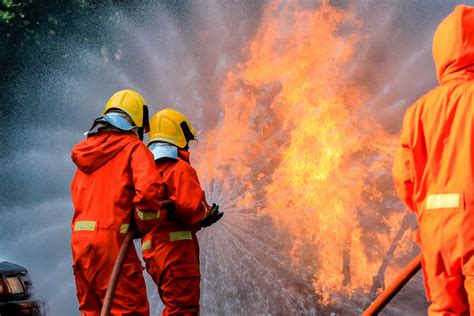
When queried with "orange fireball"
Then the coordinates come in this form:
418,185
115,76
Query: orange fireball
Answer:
295,142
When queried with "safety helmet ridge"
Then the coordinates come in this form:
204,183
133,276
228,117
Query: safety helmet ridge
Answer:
171,126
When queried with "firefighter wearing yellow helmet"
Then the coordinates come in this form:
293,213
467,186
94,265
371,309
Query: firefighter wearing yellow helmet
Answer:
172,127
171,249
115,178
125,110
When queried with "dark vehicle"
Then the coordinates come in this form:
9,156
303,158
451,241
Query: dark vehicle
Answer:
15,294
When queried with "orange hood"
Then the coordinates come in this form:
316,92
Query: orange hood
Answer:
453,45
93,152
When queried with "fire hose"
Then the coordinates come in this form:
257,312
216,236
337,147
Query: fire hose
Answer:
392,290
117,270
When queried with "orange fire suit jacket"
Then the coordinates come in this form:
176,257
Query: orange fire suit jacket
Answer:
116,175
171,249
434,167
184,190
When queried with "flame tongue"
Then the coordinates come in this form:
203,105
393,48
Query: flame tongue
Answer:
294,141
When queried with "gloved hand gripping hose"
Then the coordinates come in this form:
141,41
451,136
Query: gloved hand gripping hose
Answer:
213,217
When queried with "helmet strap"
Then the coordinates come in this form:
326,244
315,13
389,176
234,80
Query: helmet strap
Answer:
187,132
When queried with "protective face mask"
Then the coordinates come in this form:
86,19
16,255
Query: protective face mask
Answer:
163,150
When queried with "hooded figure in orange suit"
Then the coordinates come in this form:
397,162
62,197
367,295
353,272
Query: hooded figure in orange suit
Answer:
171,249
116,175
434,168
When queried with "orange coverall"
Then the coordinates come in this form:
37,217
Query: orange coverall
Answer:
171,249
115,175
434,168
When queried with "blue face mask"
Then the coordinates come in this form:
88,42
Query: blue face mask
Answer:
163,150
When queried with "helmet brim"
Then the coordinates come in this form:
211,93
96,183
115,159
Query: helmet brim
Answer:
117,121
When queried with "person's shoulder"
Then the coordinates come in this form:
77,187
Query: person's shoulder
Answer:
136,147
436,98
429,100
467,89
134,142
429,96
175,167
447,90
184,166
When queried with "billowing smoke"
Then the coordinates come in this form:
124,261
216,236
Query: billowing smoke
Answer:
180,55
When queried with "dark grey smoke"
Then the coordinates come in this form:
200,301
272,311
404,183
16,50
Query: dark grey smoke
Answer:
177,55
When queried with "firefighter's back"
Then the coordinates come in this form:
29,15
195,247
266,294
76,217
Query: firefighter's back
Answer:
447,123
102,192
443,154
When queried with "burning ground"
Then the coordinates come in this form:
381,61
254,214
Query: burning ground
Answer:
298,105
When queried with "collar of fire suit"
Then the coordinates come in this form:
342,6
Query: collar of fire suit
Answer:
184,155
163,150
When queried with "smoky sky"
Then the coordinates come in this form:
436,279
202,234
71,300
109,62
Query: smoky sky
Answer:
176,54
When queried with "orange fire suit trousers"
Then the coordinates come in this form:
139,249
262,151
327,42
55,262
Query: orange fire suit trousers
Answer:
172,260
94,254
447,240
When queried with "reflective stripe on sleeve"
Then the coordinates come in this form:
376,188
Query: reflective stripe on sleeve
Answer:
435,201
146,216
124,228
84,225
181,235
146,245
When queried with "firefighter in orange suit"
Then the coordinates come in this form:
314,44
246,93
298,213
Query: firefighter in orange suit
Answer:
434,168
116,175
171,249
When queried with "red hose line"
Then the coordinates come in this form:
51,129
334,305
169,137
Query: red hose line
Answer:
117,270
392,290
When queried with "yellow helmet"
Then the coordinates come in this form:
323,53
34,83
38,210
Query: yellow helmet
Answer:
172,127
132,103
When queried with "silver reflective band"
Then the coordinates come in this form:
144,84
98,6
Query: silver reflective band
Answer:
435,201
163,150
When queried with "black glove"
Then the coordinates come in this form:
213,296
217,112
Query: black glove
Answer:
213,217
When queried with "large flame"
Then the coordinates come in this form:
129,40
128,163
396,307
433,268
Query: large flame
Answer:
295,142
